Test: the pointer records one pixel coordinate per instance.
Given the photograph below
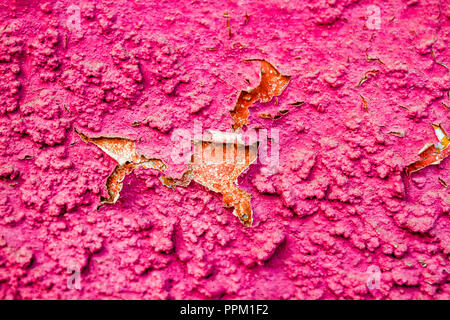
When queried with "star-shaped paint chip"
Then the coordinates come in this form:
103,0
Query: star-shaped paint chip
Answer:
216,163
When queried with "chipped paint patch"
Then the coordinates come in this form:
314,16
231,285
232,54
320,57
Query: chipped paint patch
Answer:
123,151
432,154
272,83
217,163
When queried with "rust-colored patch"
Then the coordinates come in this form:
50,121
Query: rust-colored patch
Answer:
217,165
432,154
364,103
184,181
114,183
123,151
277,116
272,83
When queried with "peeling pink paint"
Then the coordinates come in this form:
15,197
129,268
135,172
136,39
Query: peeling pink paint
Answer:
339,206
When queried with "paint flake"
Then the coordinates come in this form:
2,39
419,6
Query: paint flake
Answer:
216,164
277,116
123,151
432,154
272,83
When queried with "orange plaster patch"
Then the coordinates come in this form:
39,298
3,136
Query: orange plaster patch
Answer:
217,165
123,151
272,83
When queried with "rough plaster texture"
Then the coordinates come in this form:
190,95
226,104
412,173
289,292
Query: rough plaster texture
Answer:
338,205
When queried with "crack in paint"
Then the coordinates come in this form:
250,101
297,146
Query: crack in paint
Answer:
366,77
216,163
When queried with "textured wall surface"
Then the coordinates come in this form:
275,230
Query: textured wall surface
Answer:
338,221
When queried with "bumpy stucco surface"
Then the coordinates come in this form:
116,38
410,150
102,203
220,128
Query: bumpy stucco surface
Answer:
338,207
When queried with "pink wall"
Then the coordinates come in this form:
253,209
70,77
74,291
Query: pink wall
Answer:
338,220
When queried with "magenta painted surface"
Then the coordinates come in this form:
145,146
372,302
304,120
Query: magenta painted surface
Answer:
337,207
